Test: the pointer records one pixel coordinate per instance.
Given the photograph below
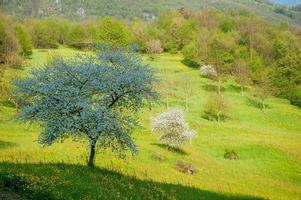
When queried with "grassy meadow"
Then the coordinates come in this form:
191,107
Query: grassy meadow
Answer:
268,145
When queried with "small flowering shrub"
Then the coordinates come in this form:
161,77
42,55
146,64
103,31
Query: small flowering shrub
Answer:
172,127
208,71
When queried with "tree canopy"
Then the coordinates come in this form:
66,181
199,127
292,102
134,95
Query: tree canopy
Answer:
92,97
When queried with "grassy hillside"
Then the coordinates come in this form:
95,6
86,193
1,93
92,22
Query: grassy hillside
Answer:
268,144
76,9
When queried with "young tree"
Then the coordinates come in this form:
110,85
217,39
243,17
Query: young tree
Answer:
76,37
174,130
286,70
24,40
242,74
10,48
153,47
216,108
208,71
187,90
263,88
113,32
89,97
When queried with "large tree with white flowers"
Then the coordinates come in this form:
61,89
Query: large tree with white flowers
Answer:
89,97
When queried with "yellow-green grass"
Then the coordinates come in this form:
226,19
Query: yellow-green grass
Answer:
268,144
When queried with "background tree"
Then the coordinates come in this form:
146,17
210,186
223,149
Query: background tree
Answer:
45,33
24,40
216,108
242,74
10,48
113,32
154,47
91,98
221,55
286,70
174,130
77,37
263,88
208,71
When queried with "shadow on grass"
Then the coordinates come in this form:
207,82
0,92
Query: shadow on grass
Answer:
62,181
257,103
212,88
236,88
4,145
190,63
172,149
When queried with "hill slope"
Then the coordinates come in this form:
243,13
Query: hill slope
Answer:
77,9
267,143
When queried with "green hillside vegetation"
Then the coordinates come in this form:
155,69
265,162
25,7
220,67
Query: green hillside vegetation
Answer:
141,9
241,45
226,124
266,143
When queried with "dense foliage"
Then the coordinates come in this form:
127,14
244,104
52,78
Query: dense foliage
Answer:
237,44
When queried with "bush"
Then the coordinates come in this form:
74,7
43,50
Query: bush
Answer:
185,167
173,129
158,156
216,108
231,155
296,97
154,47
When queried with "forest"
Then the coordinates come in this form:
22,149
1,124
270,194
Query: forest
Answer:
253,50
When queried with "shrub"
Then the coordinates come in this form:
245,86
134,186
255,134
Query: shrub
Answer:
185,167
208,71
154,47
296,97
216,108
173,128
158,156
231,155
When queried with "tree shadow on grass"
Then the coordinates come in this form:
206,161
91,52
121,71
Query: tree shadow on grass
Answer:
254,102
237,88
212,88
190,63
4,145
172,149
62,181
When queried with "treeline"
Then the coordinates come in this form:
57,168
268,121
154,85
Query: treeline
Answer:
15,42
241,45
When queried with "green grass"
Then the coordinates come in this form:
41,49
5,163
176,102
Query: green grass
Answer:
268,144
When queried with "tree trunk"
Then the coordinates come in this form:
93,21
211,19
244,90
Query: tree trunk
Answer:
242,90
219,87
92,155
17,106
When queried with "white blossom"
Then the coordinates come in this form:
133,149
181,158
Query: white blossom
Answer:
173,128
208,71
